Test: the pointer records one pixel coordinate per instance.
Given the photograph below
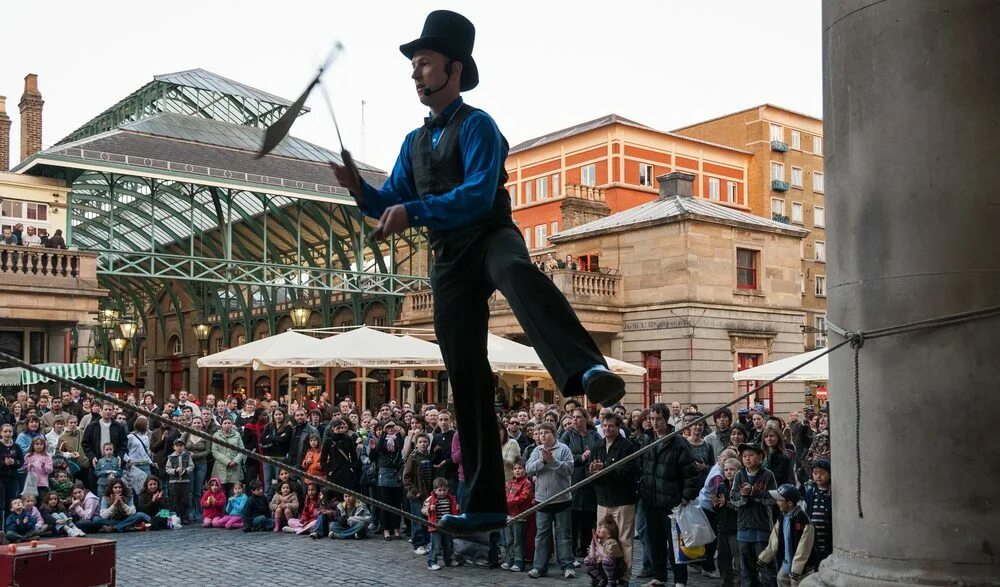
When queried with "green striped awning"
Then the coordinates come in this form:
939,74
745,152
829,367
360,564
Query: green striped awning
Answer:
15,376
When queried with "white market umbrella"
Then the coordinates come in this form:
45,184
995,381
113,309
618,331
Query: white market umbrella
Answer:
252,354
818,370
363,347
512,357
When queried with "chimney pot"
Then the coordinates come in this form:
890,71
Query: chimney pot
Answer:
31,83
676,183
31,117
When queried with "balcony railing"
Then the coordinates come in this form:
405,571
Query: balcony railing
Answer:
779,186
43,262
779,218
779,146
585,192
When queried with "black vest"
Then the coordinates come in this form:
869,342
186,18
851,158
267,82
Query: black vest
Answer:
442,169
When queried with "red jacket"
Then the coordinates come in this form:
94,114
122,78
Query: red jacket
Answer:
430,509
520,494
218,508
308,513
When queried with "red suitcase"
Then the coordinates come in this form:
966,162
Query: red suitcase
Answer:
67,562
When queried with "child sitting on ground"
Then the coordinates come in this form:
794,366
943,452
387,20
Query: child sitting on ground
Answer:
326,515
284,505
20,525
791,542
307,519
352,519
605,562
257,513
56,517
62,485
213,503
440,503
285,477
30,500
233,520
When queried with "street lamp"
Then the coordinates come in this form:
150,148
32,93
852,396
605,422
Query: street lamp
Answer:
107,318
300,315
128,327
118,343
202,330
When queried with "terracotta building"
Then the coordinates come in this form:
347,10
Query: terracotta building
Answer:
785,182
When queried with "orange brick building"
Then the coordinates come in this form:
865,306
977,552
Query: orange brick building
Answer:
575,175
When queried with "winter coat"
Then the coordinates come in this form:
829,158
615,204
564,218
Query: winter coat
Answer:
198,447
430,509
520,494
275,441
619,486
297,444
803,536
551,478
310,507
416,484
340,460
285,502
668,475
150,506
217,508
314,458
441,451
73,442
779,464
91,442
754,510
14,452
257,505
585,498
236,505
223,456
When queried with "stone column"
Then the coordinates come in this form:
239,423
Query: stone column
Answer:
911,95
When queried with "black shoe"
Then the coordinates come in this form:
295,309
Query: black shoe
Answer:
602,386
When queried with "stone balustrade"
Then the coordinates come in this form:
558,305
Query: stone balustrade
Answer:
41,263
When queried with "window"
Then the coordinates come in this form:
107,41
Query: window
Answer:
528,197
542,187
732,191
796,212
820,250
817,145
820,324
646,175
777,206
175,345
554,227
820,286
556,186
777,171
796,177
802,283
777,133
512,190
817,182
540,237
796,140
819,216
527,237
19,210
588,175
651,381
714,188
746,268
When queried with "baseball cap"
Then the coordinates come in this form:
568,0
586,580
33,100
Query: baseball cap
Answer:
787,492
749,446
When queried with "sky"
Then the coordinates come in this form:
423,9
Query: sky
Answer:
544,65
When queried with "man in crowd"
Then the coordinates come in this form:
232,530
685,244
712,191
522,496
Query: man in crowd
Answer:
616,493
101,432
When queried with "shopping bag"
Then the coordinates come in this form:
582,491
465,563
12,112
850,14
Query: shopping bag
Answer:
684,554
693,524
30,487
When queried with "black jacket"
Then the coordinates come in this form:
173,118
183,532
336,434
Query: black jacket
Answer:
780,465
584,498
257,505
275,442
91,441
297,443
13,451
449,470
340,460
668,474
619,486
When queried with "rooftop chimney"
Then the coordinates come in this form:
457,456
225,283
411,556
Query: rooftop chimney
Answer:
676,183
31,117
4,135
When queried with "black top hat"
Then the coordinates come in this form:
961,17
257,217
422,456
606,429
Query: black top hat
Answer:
452,35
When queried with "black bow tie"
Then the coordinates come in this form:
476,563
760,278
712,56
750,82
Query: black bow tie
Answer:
432,122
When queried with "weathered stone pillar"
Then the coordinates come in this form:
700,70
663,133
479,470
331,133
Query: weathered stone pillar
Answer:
911,108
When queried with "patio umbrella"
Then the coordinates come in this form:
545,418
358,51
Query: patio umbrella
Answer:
818,370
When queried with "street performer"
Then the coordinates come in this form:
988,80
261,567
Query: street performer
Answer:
450,178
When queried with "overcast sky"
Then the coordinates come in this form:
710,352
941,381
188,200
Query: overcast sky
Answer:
544,65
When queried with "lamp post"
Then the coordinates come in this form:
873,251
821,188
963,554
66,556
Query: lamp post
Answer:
201,331
118,345
128,326
300,315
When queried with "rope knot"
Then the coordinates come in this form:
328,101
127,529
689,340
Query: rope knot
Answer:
857,339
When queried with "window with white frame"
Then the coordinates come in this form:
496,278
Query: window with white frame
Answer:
646,175
777,133
796,212
819,322
541,238
796,177
588,175
528,192
732,192
714,188
817,182
777,171
554,227
512,190
777,206
820,249
820,286
796,140
556,185
819,216
817,145
802,283
542,187
30,214
527,237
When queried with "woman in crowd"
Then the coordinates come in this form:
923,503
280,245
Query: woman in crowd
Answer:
275,441
117,511
200,449
775,459
389,454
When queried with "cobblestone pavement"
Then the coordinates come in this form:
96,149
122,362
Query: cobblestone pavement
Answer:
198,557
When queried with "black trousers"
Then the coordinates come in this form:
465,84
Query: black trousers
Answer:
467,269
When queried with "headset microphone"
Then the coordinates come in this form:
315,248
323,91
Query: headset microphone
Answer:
430,92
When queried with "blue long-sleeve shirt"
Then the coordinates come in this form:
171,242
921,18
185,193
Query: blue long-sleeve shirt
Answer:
484,152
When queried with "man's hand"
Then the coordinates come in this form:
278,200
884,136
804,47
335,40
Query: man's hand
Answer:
347,174
393,220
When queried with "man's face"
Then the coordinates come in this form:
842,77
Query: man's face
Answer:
610,428
522,417
722,422
182,396
675,409
107,411
74,393
345,408
56,405
659,422
429,73
300,416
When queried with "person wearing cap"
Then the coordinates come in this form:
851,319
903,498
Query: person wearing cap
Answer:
450,178
752,499
790,546
818,505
